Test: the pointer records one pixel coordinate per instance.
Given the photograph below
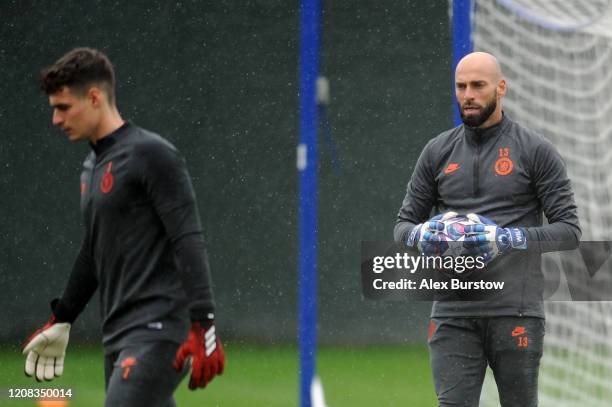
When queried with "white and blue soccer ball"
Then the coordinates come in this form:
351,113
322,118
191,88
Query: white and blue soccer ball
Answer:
450,240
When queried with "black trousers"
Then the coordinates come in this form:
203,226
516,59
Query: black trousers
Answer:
461,348
142,375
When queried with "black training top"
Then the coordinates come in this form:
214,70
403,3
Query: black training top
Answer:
143,244
512,176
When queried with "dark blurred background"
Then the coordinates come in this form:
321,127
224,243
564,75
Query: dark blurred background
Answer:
220,80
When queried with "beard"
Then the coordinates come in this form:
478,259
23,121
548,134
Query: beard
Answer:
485,113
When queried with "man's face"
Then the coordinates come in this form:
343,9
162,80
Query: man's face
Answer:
474,114
74,114
477,96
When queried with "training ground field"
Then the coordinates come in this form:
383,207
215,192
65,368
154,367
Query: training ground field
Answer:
259,377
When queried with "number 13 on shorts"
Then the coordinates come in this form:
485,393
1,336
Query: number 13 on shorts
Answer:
521,335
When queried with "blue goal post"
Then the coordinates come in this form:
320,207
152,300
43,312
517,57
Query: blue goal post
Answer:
461,26
307,165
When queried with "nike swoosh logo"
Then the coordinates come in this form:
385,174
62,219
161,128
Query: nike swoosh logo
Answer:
519,330
452,167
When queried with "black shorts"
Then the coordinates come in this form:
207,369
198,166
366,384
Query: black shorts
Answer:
461,348
142,375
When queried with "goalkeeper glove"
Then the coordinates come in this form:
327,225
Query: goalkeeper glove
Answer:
206,351
487,239
46,349
425,236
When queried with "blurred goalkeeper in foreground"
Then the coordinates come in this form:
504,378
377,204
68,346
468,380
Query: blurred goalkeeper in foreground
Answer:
143,249
503,177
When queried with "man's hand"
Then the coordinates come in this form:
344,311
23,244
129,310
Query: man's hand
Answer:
486,239
425,236
46,349
206,351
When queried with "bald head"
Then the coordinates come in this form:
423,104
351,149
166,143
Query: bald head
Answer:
479,87
480,62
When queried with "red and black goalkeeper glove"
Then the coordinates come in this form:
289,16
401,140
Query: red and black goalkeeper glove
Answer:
206,351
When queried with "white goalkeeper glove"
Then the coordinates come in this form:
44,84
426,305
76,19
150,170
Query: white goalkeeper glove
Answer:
488,240
46,349
425,236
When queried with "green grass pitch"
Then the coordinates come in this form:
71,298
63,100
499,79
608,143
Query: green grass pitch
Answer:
263,376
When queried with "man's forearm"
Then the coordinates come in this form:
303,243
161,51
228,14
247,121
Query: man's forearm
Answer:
195,275
81,286
553,237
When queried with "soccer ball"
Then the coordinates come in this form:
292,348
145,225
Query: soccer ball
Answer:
448,242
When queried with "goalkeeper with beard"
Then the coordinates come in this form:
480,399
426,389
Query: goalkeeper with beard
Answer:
504,178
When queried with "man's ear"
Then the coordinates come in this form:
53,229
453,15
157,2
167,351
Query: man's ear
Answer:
96,96
502,88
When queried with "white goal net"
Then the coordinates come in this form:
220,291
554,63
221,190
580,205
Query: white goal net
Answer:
557,58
